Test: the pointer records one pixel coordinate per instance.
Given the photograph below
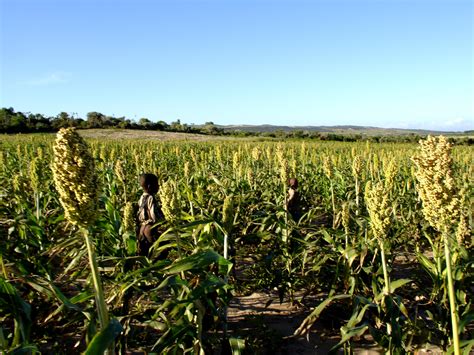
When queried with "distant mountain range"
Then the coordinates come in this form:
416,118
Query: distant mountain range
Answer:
346,129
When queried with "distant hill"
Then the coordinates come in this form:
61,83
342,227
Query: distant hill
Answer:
346,129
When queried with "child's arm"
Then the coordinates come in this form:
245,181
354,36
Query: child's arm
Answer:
151,210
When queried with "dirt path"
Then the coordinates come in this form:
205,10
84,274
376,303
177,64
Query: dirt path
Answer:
262,315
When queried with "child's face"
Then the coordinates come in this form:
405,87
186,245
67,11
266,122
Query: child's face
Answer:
142,184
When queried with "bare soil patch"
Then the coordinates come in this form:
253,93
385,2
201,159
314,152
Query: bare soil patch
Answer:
120,134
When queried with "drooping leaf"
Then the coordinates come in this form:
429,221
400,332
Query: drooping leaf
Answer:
104,338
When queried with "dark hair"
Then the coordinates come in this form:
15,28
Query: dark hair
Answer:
293,182
149,183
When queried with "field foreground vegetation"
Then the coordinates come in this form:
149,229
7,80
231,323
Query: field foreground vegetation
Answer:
382,255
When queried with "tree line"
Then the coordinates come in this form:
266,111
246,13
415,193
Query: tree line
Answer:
26,122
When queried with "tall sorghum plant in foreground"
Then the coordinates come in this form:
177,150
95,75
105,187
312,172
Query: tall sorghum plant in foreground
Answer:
377,199
377,202
168,195
76,182
329,172
227,221
356,172
441,204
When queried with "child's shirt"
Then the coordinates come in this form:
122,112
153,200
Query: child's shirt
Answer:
148,210
293,198
293,203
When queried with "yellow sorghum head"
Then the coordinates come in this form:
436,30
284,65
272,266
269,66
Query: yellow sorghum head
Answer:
218,153
103,154
284,171
463,230
390,171
256,153
17,183
186,169
436,185
40,153
228,213
168,195
293,166
376,200
250,176
345,217
268,153
240,171
280,153
128,222
235,161
35,174
75,177
303,149
119,171
112,154
327,167
356,166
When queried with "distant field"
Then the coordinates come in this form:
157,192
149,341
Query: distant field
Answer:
136,134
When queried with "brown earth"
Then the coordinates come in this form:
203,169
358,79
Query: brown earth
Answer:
120,134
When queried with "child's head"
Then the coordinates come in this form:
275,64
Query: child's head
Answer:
149,183
293,182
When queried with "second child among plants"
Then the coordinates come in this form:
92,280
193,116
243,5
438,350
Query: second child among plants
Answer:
149,214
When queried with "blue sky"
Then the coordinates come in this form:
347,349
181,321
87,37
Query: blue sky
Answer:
387,63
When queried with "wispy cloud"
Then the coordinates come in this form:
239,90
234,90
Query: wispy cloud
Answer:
455,124
455,121
50,79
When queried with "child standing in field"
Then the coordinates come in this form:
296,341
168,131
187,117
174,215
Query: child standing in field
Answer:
293,200
149,213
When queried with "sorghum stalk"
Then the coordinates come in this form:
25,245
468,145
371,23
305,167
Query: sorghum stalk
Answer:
35,184
441,205
100,299
76,182
120,174
329,171
356,169
227,220
451,295
376,199
345,222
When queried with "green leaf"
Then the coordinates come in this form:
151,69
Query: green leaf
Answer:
465,346
349,333
314,315
197,262
237,345
398,283
105,338
429,267
465,320
27,349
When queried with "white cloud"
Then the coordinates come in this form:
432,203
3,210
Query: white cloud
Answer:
455,124
50,79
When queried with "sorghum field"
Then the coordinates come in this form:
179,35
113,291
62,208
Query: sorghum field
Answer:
382,256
